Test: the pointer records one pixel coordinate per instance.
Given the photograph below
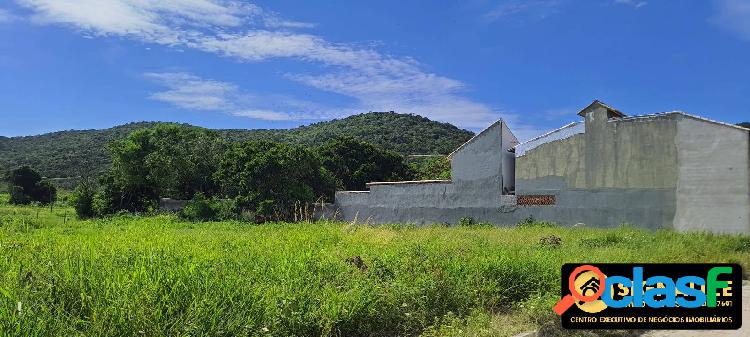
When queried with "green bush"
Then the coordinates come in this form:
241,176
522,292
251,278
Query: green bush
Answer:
26,185
201,208
272,179
355,163
530,222
82,200
431,168
466,221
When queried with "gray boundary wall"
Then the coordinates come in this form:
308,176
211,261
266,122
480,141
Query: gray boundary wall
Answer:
713,189
659,171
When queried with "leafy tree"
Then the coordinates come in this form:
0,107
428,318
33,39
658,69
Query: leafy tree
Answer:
21,184
164,161
429,168
83,199
745,125
183,160
26,186
201,208
45,192
355,163
271,179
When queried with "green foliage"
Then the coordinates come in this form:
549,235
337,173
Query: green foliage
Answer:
164,161
176,161
271,179
160,276
26,185
466,221
603,241
82,153
355,163
530,222
436,167
201,208
45,192
182,160
82,199
64,153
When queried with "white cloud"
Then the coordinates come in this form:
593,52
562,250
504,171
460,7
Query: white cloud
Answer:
537,9
158,21
192,92
268,115
152,21
6,16
734,16
633,3
248,33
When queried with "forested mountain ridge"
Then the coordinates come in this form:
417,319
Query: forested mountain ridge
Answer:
82,152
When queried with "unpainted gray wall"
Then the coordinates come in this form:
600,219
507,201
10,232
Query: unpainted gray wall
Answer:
481,158
669,170
713,189
618,171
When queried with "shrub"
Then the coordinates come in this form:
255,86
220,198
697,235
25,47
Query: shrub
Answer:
118,195
466,221
100,205
429,168
45,192
201,208
610,239
26,186
552,241
355,163
83,200
17,196
269,179
530,222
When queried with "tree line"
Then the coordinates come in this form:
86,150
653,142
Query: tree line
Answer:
257,179
74,153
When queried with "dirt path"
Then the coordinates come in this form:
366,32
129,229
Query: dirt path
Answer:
742,332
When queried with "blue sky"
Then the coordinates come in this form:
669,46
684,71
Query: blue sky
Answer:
80,64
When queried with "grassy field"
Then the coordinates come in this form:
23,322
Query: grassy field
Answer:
159,276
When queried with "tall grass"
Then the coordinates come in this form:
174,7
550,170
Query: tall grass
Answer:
159,276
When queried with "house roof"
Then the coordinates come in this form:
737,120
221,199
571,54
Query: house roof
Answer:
669,113
561,133
611,112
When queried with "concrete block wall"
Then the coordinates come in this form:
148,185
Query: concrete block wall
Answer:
667,170
713,188
481,170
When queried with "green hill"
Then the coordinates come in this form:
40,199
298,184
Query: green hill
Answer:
82,152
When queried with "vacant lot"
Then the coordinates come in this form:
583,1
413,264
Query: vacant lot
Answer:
161,276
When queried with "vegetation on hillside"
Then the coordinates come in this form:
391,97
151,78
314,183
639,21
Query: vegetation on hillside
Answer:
82,153
160,276
355,163
64,153
430,167
744,124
